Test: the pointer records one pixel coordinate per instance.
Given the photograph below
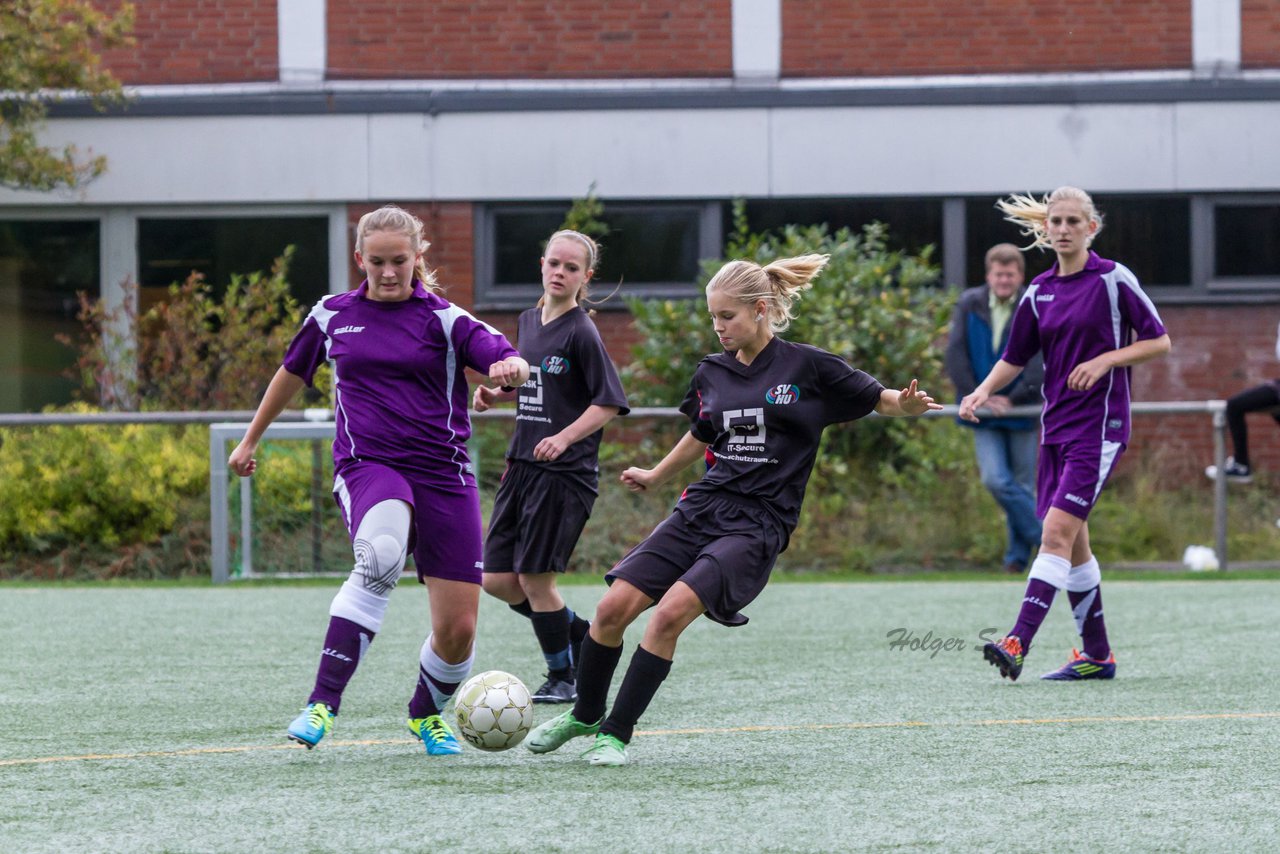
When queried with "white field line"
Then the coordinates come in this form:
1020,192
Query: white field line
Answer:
254,748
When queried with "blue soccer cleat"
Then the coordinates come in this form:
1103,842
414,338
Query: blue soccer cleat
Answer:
437,738
1005,654
312,725
1082,666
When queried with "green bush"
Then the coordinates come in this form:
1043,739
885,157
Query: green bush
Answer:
104,486
197,349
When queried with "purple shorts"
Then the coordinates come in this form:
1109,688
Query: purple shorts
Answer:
445,534
1071,476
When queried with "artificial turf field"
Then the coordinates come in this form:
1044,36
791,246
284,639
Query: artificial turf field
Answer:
152,719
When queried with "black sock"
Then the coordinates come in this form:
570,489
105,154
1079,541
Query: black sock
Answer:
578,628
552,630
524,609
595,672
644,677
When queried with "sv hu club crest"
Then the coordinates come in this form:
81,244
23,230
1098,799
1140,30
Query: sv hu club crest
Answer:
555,365
783,394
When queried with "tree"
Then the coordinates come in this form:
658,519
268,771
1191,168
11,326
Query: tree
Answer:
48,50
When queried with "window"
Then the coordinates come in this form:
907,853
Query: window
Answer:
913,223
169,249
1150,235
42,266
652,249
1246,243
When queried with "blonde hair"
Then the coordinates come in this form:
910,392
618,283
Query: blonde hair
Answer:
397,220
1030,214
779,284
593,255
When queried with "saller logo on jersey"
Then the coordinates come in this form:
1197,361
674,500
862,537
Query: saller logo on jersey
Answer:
344,329
782,394
555,365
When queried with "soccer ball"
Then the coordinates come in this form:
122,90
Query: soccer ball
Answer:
494,710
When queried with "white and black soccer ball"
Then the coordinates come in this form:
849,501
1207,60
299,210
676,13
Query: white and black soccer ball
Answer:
494,710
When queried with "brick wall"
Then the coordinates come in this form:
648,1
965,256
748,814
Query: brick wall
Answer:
1218,350
889,37
1260,33
529,38
199,41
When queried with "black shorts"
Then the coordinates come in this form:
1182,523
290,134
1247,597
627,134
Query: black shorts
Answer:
722,548
537,519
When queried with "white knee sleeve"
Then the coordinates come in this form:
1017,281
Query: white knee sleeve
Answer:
381,545
1084,577
1050,569
359,605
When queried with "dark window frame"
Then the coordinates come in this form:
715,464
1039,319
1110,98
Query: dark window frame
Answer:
1214,283
490,296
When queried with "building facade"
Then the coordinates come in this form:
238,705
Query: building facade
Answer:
253,124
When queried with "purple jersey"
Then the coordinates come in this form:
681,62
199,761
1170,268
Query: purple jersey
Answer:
1073,319
399,389
764,421
569,371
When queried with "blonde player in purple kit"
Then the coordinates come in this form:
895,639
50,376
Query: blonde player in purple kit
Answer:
550,483
1092,321
402,477
760,407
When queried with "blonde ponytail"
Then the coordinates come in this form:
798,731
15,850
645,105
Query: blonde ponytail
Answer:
779,284
1031,214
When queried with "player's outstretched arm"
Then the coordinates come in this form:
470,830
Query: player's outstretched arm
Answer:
1000,376
686,452
511,372
486,397
280,391
911,400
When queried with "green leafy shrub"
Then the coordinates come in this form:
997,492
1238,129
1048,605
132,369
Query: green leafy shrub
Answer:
96,485
196,350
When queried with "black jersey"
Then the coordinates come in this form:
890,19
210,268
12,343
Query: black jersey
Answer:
763,421
569,370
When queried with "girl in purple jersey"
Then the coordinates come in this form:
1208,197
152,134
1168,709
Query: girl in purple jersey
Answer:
549,486
760,408
1092,321
402,478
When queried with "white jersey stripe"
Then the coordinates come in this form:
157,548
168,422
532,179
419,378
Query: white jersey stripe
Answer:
448,317
1105,463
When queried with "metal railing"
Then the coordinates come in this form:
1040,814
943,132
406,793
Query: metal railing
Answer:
221,433
228,426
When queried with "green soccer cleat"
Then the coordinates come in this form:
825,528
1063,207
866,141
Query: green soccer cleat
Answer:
437,738
312,725
555,732
607,751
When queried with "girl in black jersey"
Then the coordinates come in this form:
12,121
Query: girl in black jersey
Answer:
550,483
760,407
